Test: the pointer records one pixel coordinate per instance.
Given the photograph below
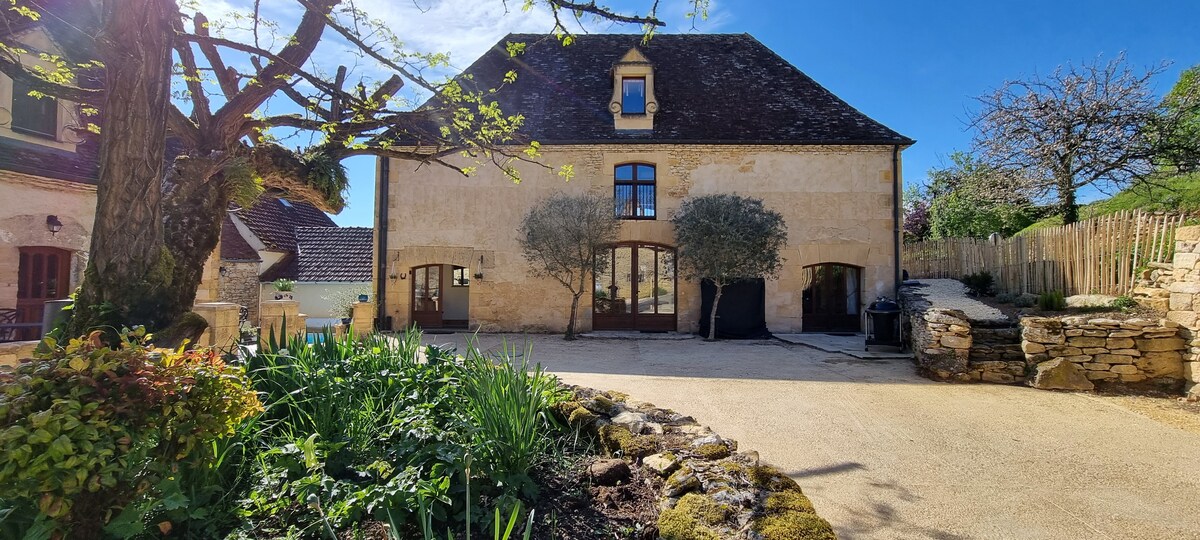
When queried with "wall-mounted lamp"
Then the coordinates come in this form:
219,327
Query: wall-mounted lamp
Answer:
53,225
479,270
224,271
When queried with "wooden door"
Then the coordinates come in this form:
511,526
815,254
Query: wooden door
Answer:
43,273
830,302
427,301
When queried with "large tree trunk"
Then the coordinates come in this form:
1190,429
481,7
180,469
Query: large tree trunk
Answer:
1067,202
129,268
194,203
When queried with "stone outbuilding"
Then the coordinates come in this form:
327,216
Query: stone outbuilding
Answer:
649,124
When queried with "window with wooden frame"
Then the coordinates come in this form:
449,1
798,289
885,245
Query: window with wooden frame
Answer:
634,191
459,277
36,116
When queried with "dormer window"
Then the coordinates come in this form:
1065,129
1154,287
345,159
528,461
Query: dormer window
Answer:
633,103
33,116
633,95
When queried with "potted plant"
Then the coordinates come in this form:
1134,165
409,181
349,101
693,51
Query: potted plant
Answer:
363,298
283,289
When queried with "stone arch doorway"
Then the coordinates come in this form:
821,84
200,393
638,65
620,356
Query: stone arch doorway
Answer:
635,288
831,299
440,296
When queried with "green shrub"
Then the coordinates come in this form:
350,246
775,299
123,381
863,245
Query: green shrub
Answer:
86,430
1052,301
508,406
284,285
1024,301
979,283
1123,303
1005,298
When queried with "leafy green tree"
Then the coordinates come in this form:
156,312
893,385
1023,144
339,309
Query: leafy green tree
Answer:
728,238
564,237
972,199
1179,145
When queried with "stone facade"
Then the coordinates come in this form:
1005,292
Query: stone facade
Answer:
836,200
224,330
23,209
279,315
1139,352
13,352
239,285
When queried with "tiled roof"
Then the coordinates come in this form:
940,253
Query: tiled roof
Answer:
275,220
325,254
714,88
233,246
34,159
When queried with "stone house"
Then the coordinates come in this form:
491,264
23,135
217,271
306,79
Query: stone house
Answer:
280,239
649,124
48,173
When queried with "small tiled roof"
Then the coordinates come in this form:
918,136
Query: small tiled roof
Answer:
233,246
80,166
274,221
711,88
325,254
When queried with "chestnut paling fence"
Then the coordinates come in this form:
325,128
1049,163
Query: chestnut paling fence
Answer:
1101,255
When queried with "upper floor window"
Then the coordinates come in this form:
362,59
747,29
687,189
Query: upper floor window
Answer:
633,95
633,191
33,116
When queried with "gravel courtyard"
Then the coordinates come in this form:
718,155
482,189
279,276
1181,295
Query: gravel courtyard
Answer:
886,454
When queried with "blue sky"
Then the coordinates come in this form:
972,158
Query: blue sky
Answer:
915,66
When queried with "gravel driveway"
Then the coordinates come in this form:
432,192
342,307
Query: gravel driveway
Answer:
884,453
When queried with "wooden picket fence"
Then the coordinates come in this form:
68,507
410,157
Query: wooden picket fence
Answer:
1097,256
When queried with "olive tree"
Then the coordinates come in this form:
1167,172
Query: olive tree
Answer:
565,237
725,239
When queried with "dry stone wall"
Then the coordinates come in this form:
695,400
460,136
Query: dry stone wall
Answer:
1175,289
1078,353
948,345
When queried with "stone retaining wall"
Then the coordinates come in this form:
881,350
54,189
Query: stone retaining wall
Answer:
948,345
1175,289
707,488
1076,353
14,351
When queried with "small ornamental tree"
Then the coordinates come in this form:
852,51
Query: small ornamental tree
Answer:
565,237
726,239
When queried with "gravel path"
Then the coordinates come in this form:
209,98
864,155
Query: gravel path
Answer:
885,454
951,294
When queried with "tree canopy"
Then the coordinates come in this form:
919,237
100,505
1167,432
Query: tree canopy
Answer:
727,238
1088,125
564,237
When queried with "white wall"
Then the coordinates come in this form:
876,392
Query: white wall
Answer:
314,299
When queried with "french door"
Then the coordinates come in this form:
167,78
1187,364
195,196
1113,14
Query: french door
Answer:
427,299
831,298
635,288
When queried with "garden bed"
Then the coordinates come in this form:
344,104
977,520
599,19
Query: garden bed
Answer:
379,439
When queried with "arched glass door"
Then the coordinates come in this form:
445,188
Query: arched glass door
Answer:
635,288
427,300
831,298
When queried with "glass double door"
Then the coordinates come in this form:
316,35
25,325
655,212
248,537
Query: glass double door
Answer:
635,289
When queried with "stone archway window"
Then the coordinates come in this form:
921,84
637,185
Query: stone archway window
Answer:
634,191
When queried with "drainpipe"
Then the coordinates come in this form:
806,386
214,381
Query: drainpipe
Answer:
896,228
381,244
